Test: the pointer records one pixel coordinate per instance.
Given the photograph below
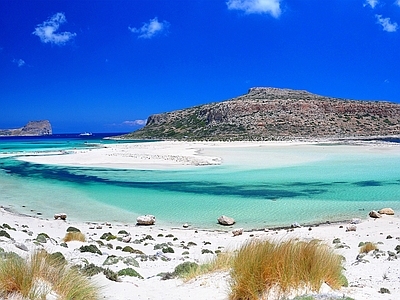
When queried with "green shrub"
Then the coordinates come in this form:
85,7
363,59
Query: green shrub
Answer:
168,250
129,272
91,270
73,229
131,250
110,275
90,248
185,268
108,236
5,234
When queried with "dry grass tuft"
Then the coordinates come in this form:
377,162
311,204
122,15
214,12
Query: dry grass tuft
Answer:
41,274
74,236
222,262
262,267
367,247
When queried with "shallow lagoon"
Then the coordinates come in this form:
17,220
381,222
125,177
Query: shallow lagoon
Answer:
260,187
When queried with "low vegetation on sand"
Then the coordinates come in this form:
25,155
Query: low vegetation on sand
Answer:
74,236
261,268
40,275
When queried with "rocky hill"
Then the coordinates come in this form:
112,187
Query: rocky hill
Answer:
275,114
33,128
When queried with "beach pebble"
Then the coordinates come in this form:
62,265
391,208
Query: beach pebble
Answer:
351,228
238,231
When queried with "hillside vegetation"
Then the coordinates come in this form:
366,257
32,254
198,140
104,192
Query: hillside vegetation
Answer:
275,114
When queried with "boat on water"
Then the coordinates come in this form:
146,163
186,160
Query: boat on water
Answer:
86,134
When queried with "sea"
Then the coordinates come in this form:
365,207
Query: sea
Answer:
260,187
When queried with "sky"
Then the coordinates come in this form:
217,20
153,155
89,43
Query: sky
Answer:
106,65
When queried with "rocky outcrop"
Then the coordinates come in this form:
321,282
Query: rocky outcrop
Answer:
33,128
275,114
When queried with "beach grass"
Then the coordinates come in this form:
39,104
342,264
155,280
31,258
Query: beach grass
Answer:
367,247
74,236
263,267
42,274
222,262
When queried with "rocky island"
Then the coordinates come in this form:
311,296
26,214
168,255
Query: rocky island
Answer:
275,114
33,128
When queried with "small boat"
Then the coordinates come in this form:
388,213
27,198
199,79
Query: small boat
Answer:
86,134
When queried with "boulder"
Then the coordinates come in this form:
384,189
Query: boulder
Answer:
146,220
386,211
238,231
374,214
226,221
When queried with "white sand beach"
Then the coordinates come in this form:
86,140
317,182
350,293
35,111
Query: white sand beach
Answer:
366,276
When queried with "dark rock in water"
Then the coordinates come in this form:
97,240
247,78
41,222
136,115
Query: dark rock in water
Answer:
33,128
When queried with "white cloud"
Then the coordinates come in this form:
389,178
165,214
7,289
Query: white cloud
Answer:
386,24
135,123
47,31
397,2
271,7
371,3
19,62
151,29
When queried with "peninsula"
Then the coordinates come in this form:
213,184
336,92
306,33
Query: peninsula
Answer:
267,114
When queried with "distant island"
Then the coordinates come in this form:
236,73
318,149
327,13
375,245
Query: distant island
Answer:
275,114
33,128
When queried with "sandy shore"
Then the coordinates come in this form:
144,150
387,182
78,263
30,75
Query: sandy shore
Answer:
172,155
366,277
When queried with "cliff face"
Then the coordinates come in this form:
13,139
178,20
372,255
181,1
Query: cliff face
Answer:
275,114
33,128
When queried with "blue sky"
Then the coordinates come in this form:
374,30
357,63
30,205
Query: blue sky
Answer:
105,66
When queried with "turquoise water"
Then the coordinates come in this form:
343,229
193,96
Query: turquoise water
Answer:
324,183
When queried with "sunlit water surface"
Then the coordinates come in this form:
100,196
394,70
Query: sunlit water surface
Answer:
259,186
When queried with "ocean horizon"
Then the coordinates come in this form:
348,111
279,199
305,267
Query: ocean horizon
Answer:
259,187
